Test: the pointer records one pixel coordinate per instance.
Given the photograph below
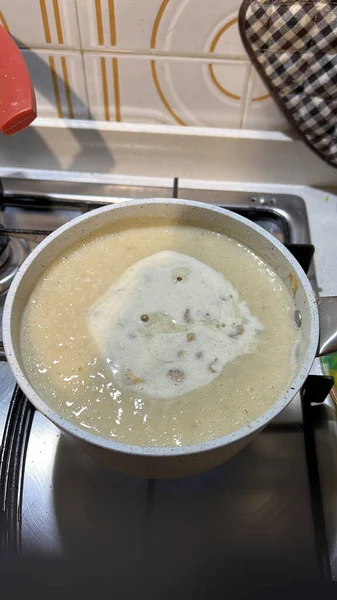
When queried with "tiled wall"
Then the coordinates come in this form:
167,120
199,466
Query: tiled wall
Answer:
145,61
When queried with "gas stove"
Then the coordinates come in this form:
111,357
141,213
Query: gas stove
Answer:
262,517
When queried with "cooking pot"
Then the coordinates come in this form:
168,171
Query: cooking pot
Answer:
184,460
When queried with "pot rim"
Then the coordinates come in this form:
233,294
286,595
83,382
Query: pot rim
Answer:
206,446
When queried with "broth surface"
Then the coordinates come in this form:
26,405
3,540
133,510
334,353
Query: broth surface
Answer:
76,340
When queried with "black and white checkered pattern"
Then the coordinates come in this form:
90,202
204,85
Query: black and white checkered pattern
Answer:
293,45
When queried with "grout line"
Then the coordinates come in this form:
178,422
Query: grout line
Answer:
247,97
67,87
45,21
56,87
58,21
150,54
105,89
115,76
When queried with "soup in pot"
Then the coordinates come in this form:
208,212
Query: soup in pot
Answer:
159,335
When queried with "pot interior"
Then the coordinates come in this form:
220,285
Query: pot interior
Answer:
181,212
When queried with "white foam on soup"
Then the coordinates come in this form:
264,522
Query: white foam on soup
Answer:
170,324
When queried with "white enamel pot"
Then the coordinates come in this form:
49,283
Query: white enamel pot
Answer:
186,460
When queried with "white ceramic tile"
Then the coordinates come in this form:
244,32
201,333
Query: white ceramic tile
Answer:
193,26
262,112
201,99
42,23
188,26
173,91
97,23
103,84
50,72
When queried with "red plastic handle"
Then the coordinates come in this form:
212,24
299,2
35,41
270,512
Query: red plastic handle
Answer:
17,96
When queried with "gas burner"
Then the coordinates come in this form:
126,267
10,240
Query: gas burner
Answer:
13,252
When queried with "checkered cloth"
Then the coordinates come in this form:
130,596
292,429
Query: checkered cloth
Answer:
293,46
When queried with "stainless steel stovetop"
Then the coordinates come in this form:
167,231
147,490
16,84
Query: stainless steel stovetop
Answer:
251,519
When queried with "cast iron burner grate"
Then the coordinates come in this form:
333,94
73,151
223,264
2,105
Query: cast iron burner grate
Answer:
20,414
